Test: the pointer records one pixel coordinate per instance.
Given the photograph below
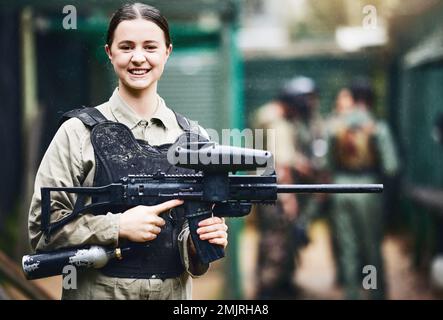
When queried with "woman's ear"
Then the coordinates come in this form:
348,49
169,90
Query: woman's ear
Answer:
108,51
168,51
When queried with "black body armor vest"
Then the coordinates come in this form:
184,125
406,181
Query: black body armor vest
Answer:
117,155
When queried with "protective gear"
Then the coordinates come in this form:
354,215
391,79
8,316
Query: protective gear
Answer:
118,154
354,145
297,94
300,85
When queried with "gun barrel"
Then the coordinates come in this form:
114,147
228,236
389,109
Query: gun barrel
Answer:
330,188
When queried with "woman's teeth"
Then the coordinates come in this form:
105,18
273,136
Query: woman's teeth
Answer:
138,71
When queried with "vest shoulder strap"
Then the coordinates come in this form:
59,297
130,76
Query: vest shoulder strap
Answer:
92,116
89,116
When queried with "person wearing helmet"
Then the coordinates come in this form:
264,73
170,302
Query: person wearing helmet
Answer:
281,234
301,96
310,144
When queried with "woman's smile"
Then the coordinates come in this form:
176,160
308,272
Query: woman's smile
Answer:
139,72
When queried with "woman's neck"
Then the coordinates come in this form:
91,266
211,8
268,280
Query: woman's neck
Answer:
143,102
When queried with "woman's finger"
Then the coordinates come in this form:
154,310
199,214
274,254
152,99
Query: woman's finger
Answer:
212,228
213,235
210,221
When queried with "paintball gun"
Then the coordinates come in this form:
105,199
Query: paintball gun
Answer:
214,190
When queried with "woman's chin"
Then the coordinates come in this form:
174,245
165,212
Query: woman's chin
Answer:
138,84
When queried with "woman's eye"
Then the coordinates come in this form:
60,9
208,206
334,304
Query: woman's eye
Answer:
125,48
151,48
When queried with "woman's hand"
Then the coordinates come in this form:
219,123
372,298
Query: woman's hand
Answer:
214,230
142,223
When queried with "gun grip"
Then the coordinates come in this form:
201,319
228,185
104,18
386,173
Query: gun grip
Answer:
206,251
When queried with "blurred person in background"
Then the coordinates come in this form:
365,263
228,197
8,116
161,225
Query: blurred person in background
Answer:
310,143
344,103
361,151
281,233
276,249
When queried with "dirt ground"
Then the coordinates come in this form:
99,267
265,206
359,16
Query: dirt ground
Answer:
316,273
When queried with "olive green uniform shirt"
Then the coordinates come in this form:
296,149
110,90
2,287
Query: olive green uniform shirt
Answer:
69,161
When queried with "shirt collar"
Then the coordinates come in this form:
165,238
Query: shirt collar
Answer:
123,113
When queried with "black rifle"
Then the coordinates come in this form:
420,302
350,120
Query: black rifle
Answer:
212,191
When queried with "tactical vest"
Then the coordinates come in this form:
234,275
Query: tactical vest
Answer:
117,155
355,149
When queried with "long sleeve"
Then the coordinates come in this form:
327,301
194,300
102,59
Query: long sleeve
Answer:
63,165
387,150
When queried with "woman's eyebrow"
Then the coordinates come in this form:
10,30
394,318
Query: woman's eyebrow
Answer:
130,42
125,42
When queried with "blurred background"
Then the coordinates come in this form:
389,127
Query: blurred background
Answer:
230,57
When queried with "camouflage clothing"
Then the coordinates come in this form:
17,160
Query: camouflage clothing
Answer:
276,255
310,141
277,250
311,145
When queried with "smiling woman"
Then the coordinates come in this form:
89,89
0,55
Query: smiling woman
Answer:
129,134
138,51
138,44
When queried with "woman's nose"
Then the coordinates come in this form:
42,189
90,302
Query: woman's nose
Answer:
138,57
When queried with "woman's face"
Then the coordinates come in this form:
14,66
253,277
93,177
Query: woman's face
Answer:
344,101
138,53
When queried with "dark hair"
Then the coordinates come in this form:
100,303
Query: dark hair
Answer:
362,91
137,11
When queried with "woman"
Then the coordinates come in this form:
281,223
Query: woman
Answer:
138,46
